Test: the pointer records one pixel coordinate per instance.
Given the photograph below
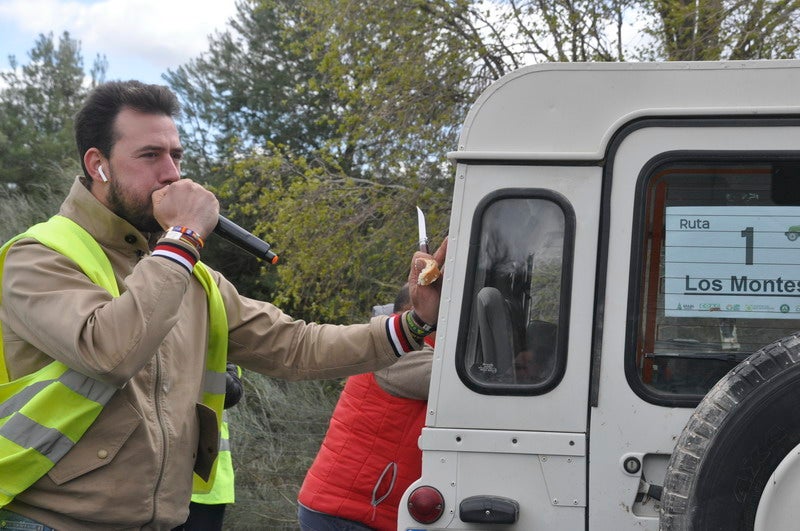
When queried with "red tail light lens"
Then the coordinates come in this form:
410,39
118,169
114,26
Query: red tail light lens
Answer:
425,505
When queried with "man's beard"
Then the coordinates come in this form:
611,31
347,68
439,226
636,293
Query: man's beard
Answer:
140,216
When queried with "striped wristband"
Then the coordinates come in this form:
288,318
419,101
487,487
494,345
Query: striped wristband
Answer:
397,336
176,253
404,330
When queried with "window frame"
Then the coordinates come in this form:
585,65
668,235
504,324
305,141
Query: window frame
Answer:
565,293
658,164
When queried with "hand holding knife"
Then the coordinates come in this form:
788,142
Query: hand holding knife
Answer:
429,270
423,233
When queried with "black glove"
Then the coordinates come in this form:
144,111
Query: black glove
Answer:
233,385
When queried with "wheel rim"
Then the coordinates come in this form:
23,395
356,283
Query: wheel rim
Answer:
778,507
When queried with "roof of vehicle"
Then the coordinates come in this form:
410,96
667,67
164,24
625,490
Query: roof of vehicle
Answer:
568,111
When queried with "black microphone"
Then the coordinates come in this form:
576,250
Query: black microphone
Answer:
241,238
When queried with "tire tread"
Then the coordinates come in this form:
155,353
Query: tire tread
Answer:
707,420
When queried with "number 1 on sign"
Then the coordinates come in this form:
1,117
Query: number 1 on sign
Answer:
747,234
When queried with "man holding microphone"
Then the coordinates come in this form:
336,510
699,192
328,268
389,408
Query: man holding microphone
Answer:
115,336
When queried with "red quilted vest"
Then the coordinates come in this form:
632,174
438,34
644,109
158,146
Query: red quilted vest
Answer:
369,456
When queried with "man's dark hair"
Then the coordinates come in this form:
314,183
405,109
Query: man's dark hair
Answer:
94,122
402,301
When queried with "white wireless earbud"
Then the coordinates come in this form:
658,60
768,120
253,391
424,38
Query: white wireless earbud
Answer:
102,174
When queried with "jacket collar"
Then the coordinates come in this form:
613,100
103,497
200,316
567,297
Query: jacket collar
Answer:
110,230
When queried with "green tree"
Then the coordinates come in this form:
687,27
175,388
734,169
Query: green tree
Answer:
506,34
401,83
706,30
333,124
502,36
344,242
37,105
256,83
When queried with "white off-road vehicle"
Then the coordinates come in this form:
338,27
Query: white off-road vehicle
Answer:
615,345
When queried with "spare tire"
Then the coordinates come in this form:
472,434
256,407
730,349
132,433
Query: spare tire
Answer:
737,436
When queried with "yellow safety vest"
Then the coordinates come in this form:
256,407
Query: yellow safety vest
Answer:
43,414
223,490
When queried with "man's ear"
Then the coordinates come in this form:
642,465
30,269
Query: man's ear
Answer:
93,160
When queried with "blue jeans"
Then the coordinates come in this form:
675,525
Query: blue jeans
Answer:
316,521
16,522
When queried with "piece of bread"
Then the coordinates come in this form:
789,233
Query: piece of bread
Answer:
430,273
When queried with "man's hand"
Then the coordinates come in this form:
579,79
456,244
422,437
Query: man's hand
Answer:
425,299
187,204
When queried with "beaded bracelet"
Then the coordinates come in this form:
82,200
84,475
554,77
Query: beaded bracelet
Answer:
417,326
186,235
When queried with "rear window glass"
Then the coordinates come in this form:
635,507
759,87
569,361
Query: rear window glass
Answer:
514,336
719,271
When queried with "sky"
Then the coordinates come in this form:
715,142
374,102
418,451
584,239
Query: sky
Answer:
141,39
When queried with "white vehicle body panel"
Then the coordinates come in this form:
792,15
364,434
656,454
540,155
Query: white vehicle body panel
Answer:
583,132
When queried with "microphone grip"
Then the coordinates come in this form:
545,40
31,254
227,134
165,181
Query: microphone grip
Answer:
243,239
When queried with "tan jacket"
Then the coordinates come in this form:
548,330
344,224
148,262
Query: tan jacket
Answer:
133,468
410,377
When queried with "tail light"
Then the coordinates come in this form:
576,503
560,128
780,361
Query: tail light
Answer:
425,504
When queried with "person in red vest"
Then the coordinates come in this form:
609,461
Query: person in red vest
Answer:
370,453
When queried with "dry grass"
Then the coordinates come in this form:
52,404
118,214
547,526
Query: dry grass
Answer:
276,431
18,211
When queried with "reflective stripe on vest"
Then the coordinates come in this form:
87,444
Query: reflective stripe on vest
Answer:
43,414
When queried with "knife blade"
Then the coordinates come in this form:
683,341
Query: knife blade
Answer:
423,233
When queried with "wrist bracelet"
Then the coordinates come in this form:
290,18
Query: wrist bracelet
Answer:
185,235
417,326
